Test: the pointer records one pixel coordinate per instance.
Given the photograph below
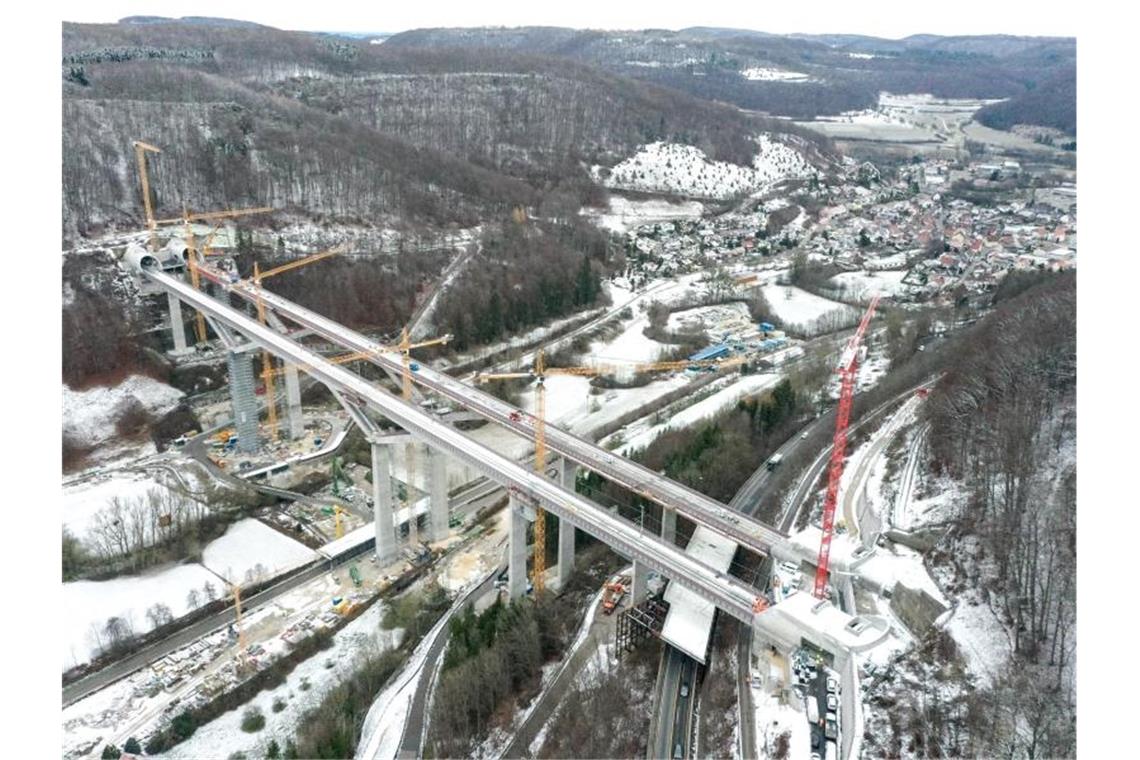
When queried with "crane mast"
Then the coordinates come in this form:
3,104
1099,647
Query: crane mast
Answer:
538,373
848,367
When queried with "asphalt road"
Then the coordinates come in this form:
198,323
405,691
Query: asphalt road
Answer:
411,742
673,734
748,498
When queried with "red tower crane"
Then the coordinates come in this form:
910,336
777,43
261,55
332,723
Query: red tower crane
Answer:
848,365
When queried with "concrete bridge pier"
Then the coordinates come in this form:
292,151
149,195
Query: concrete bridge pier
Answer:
668,525
382,502
177,327
243,401
640,583
437,489
516,569
566,532
293,402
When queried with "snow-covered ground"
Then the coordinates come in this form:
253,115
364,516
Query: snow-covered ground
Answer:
766,74
89,416
686,170
83,501
722,321
625,214
250,545
774,718
88,604
865,284
324,671
799,307
631,345
571,406
641,434
981,639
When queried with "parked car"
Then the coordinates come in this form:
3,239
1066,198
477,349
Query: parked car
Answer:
832,685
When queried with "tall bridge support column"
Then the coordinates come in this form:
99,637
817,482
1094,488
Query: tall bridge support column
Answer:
566,537
243,401
566,531
437,460
516,569
640,583
293,402
669,525
177,327
382,503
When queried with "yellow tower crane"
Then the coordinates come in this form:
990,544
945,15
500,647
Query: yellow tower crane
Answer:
141,149
195,256
267,372
360,355
539,373
235,589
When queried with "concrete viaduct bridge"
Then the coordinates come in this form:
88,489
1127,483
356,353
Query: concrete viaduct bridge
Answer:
528,490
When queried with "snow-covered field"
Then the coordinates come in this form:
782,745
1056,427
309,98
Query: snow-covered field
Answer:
686,170
88,604
83,501
747,385
324,671
570,406
766,74
799,307
865,284
625,214
247,544
89,416
250,545
631,345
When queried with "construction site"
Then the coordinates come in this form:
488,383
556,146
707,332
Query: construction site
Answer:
674,493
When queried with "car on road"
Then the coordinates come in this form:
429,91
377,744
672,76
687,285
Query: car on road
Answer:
678,752
804,435
684,690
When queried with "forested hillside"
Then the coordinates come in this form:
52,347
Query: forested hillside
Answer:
837,72
355,132
1052,103
1003,423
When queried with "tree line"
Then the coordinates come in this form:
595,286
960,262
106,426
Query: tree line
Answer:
1003,423
528,274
